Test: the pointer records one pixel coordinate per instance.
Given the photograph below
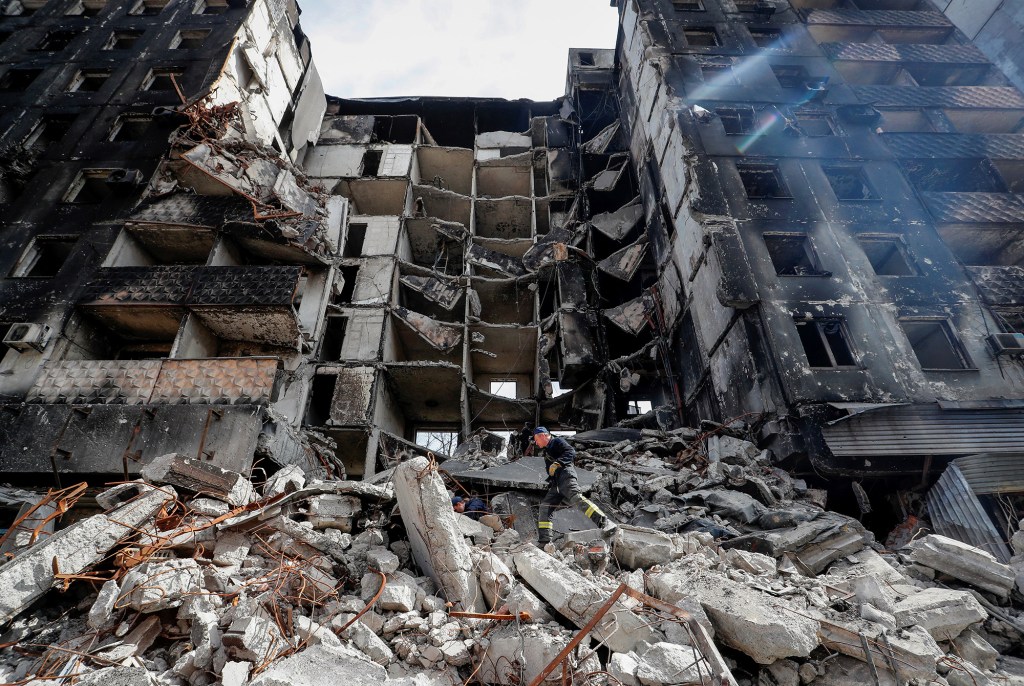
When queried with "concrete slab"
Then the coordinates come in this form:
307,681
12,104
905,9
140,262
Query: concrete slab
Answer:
526,473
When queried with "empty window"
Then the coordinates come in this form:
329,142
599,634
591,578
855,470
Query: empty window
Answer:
18,80
814,123
4,35
888,255
848,183
443,442
86,8
792,254
768,38
57,40
934,344
762,181
211,7
638,407
349,276
687,5
826,342
334,338
354,242
704,37
736,120
506,388
148,8
90,186
586,59
371,162
718,74
122,40
790,76
49,129
88,80
130,127
190,40
163,79
557,390
44,257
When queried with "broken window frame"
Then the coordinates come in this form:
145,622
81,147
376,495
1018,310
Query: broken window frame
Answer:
763,168
944,326
440,439
131,121
636,407
858,171
738,114
34,255
502,390
86,179
585,58
823,338
898,244
813,264
40,127
156,74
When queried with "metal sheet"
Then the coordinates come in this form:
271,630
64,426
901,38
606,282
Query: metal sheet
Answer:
993,473
956,512
927,430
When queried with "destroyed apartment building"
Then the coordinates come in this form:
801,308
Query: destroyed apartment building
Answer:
762,263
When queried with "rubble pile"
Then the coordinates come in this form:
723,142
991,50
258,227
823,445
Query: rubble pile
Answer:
723,570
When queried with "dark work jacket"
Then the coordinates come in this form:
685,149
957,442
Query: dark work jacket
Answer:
558,450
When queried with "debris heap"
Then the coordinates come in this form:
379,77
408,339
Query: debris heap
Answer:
724,570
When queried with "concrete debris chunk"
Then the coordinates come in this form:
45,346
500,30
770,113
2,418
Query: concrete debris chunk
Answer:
198,477
102,613
970,565
664,664
437,544
286,480
639,548
517,656
155,586
73,550
942,613
578,599
976,650
323,665
330,511
254,639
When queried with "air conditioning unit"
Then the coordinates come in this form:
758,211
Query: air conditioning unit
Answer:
124,178
27,336
1007,344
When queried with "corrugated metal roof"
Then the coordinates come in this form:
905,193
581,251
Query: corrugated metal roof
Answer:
993,473
956,512
926,430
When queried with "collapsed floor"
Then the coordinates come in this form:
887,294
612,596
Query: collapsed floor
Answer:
729,572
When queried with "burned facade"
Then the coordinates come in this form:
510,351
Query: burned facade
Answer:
804,215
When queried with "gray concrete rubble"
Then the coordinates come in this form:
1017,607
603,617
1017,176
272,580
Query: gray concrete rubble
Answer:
728,573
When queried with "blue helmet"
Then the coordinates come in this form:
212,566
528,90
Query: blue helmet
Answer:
540,430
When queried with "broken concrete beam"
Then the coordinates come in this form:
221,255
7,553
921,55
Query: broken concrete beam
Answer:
74,550
976,650
578,599
757,624
636,547
197,477
334,511
434,536
323,665
501,588
154,586
840,541
970,565
943,613
912,655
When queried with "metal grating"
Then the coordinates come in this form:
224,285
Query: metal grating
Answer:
1007,146
188,209
926,430
994,97
101,382
999,285
876,52
955,511
975,208
885,18
248,381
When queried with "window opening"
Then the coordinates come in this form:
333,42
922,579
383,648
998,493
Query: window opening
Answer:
814,124
44,257
371,162
355,240
934,344
687,5
718,74
736,120
768,38
334,338
190,40
18,80
349,273
701,37
792,255
443,442
122,40
148,8
163,79
762,181
130,128
826,342
506,388
848,183
57,40
888,255
88,81
49,129
89,186
586,59
790,76
638,407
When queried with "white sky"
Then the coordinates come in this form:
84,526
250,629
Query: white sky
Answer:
469,48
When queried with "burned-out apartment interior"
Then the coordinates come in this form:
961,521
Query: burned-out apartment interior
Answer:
805,217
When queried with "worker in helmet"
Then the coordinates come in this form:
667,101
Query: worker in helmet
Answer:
563,485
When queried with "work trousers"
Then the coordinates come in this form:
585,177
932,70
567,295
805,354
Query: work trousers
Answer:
562,487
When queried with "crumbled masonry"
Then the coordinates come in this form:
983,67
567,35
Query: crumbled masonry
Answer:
292,588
